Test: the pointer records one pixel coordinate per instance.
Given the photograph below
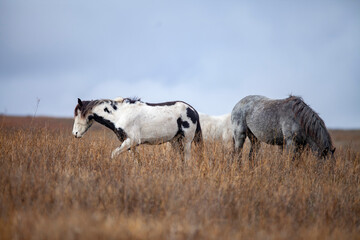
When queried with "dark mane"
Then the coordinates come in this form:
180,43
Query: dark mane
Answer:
310,121
132,100
87,106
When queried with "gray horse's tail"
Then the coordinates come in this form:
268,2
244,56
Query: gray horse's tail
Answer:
311,123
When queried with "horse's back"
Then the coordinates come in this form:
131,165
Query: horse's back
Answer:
178,113
154,122
246,106
260,116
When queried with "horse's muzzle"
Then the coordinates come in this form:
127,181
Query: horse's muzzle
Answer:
76,135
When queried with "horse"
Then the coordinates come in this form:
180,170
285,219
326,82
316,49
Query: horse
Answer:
216,127
136,122
288,122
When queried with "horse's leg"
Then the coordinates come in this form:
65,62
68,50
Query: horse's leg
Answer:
136,156
183,145
126,145
281,148
254,149
187,151
292,148
178,146
239,140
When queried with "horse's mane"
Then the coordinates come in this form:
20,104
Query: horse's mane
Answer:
132,100
310,121
87,106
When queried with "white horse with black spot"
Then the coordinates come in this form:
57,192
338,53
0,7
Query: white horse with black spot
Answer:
136,122
216,127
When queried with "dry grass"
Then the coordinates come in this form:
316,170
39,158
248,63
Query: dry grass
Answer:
53,186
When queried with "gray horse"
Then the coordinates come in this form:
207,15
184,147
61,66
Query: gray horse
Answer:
286,122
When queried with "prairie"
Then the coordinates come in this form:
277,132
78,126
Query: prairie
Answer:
53,186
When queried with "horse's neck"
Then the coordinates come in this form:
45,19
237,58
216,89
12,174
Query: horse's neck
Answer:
122,111
315,128
106,112
324,138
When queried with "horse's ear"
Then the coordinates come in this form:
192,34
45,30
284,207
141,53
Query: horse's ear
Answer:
80,102
333,150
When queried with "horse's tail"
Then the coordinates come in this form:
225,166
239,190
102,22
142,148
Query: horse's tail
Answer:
198,138
311,123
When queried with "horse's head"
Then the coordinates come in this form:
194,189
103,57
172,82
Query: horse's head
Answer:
82,119
328,152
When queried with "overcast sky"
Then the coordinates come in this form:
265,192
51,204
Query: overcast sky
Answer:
207,53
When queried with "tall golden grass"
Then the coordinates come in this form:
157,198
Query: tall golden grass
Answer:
53,186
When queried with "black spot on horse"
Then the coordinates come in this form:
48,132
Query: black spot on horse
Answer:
181,124
101,120
113,105
185,124
180,131
120,133
106,110
192,115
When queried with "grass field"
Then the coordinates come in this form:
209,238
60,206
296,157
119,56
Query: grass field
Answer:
53,186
